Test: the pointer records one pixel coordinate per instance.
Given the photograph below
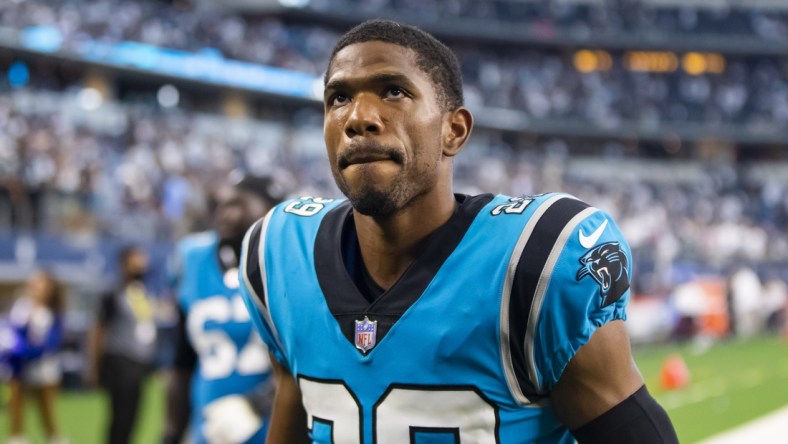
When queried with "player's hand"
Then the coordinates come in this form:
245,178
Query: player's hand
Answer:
230,420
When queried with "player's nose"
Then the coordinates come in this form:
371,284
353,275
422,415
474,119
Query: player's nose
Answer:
364,118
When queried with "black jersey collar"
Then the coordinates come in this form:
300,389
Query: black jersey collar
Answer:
344,299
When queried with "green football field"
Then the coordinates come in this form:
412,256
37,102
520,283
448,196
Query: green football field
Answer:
732,383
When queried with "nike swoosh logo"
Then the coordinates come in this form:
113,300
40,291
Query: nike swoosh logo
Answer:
590,241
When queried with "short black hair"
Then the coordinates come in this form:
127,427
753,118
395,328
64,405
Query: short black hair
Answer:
432,56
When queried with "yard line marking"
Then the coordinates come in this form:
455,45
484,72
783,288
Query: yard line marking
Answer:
712,388
766,429
697,392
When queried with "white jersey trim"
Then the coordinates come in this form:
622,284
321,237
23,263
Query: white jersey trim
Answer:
506,352
541,288
263,309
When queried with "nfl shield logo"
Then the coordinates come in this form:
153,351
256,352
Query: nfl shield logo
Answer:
366,331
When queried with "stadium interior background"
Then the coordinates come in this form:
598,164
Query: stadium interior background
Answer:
118,118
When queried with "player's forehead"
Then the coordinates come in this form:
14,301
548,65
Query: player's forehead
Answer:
365,61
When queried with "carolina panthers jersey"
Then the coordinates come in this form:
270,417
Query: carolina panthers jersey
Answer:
231,358
466,346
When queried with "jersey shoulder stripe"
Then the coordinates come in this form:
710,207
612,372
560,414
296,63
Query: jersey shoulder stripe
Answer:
562,234
253,288
529,266
287,224
251,272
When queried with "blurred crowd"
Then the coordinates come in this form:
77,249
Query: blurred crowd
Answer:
543,83
264,40
585,18
123,170
144,173
70,163
189,25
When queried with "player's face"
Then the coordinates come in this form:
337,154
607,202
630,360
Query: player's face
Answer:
382,127
236,211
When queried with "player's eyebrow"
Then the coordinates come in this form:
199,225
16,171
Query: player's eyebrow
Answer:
378,78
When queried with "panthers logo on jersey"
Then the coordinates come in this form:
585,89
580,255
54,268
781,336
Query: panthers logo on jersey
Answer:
608,265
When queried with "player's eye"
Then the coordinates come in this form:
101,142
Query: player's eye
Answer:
338,100
394,92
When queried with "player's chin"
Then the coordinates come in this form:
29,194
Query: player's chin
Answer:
374,206
374,200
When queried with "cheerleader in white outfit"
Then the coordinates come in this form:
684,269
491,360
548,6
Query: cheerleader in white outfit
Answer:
29,343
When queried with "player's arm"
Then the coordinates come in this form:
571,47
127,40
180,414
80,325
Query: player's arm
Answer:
288,419
178,383
575,286
601,396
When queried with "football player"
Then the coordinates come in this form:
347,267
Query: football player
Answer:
220,380
408,313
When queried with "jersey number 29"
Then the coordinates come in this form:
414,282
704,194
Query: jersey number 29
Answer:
403,412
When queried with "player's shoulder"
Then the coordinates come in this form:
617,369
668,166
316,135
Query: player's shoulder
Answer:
558,227
297,217
572,276
574,248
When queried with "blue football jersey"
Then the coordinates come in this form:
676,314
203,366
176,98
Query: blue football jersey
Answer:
466,346
231,358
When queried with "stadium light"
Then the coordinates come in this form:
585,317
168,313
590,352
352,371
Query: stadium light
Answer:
90,99
697,63
586,61
694,63
650,61
168,96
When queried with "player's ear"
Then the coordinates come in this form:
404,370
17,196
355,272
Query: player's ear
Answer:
457,128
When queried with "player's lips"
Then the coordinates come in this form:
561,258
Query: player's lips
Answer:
368,153
364,158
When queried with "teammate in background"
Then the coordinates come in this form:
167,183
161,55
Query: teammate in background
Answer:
122,344
28,350
220,378
409,313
